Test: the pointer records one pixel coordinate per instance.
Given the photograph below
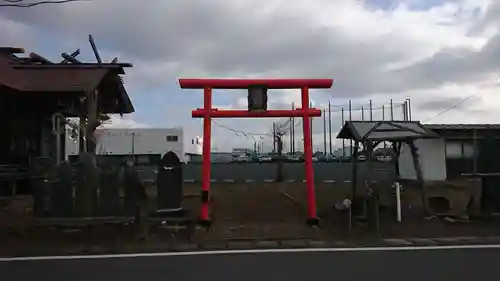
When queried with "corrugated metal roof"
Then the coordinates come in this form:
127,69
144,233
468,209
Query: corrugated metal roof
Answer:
60,78
384,130
462,126
49,80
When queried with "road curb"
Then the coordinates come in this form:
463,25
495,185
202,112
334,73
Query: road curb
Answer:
261,244
312,243
441,241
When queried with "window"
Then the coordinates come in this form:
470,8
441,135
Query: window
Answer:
468,150
459,149
453,149
172,138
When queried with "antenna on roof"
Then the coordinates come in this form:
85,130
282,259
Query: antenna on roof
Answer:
94,48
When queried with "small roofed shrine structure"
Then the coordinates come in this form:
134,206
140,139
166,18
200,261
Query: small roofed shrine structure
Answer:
367,135
37,96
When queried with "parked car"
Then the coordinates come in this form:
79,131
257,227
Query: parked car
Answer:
293,158
243,159
384,158
265,159
330,158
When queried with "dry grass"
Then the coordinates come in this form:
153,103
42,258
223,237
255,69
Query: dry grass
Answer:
279,210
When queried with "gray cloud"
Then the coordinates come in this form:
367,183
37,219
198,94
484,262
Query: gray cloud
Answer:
170,39
450,66
216,38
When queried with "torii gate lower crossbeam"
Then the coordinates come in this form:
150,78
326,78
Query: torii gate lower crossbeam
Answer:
207,113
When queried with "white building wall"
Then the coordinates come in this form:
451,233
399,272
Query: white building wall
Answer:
432,160
133,141
195,146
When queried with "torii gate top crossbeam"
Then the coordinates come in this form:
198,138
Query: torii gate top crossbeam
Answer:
246,83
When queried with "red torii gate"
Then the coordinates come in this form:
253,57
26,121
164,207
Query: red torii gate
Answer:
208,112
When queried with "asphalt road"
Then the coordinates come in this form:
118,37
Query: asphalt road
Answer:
441,265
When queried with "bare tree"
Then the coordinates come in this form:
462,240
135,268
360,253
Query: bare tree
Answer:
78,130
27,4
281,130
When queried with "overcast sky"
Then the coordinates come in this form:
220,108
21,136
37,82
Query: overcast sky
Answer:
444,55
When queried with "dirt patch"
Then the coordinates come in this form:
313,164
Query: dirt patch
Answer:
276,210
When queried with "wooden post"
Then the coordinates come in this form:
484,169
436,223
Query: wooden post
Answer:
418,171
87,183
81,130
354,158
396,148
374,196
92,122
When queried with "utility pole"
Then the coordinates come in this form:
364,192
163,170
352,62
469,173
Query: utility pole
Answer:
405,115
343,140
291,137
330,125
392,112
274,134
133,144
383,119
350,119
409,109
371,111
293,131
324,132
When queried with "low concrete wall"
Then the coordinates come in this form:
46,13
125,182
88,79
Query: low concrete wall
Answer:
292,171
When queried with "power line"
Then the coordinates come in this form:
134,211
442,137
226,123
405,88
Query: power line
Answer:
239,132
21,4
454,106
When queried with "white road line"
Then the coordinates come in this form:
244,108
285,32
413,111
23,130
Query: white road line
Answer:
256,251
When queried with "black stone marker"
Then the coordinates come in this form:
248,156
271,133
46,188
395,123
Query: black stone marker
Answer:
169,184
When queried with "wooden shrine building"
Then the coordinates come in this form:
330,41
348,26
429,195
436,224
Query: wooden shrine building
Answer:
36,97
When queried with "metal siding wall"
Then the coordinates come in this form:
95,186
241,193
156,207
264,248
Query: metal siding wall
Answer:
432,160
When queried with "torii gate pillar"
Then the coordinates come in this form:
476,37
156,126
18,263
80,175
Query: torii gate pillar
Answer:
208,112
